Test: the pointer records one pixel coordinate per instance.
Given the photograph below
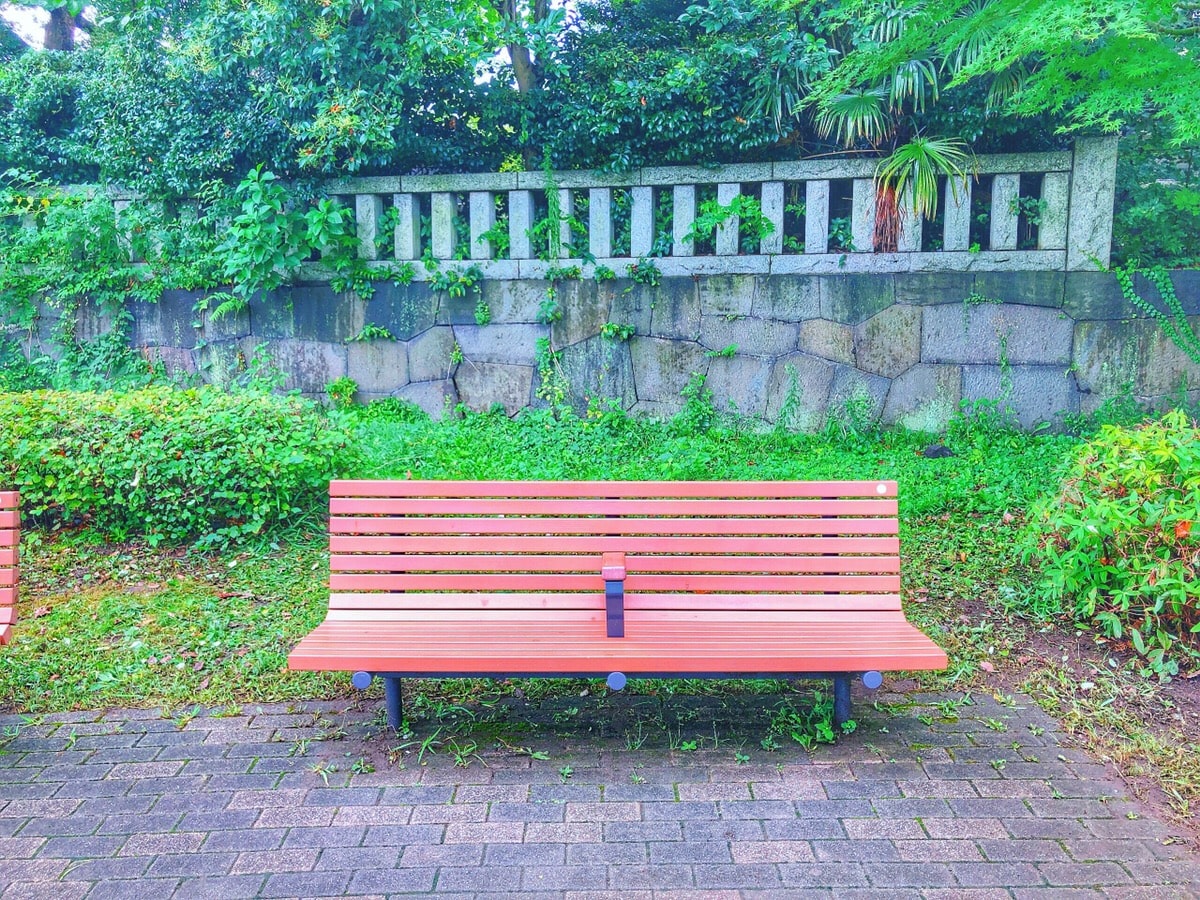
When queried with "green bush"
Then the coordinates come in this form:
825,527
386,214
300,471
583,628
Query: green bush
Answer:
1119,543
168,464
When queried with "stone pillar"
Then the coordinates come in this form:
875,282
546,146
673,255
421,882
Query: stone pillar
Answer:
862,216
910,223
483,219
641,225
408,226
1052,230
566,212
520,220
443,210
956,231
1005,191
368,213
683,217
772,210
600,228
1093,183
727,233
816,217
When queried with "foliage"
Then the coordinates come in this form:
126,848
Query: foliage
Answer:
341,392
617,332
1173,321
1118,541
166,464
645,271
753,226
1157,213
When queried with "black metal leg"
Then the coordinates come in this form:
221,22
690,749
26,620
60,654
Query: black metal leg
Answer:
841,699
394,701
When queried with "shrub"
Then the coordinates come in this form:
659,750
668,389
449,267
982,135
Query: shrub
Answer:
1120,540
168,464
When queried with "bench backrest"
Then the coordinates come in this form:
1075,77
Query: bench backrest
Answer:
712,546
10,523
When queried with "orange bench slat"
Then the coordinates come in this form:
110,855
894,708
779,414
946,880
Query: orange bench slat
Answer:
8,557
599,506
622,526
634,583
8,596
590,563
470,543
548,605
8,537
9,518
8,577
677,489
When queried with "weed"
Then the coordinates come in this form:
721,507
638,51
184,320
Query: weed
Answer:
323,770
565,773
362,766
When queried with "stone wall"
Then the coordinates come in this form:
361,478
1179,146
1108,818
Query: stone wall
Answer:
906,348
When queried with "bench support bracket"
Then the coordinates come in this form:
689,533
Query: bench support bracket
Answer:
841,699
394,701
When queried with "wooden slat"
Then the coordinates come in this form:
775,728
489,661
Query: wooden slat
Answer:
9,518
5,634
619,526
634,583
602,543
408,606
681,489
8,556
601,506
521,646
8,615
8,577
8,537
9,499
592,562
8,596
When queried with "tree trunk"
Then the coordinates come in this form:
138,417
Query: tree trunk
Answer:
60,30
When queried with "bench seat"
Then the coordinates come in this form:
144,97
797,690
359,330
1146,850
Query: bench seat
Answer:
10,522
669,579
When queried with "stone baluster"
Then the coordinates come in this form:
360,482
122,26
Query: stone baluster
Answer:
862,215
1093,184
1005,191
683,217
816,217
909,240
520,220
368,214
641,225
443,212
728,232
1052,228
956,224
408,226
600,226
483,219
772,210
566,212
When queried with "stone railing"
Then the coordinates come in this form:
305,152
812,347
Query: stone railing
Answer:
1038,211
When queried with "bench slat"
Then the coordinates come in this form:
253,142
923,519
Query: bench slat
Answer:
634,583
452,543
599,506
8,537
679,489
8,577
622,526
8,614
530,647
591,563
8,596
8,556
552,604
9,518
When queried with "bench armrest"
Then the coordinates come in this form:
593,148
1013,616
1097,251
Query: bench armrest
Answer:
613,569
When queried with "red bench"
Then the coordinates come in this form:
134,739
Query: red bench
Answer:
10,533
772,579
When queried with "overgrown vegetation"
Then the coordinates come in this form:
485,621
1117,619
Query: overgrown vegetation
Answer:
1119,542
168,465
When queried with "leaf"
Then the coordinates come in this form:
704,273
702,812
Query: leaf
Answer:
1138,644
1183,529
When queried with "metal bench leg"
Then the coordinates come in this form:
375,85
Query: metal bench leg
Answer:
841,699
394,701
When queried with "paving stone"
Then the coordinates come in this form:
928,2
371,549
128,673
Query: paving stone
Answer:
81,847
306,884
230,887
269,861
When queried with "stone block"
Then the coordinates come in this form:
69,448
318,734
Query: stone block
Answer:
676,310
788,298
630,303
857,398
307,366
1108,356
933,288
429,354
403,309
515,301
1093,184
584,310
925,398
740,384
798,391
828,340
662,368
1187,289
379,367
91,323
171,322
889,343
1033,394
512,345
482,386
271,316
727,295
435,397
319,314
753,337
600,368
1025,288
176,361
855,298
1026,335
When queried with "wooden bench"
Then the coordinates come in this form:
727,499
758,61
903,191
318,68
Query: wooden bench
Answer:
10,533
650,579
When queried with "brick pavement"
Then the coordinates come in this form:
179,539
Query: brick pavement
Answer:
279,802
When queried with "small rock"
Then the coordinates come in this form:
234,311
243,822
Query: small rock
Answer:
937,451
